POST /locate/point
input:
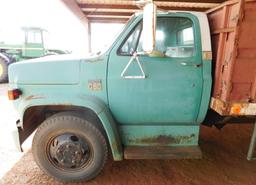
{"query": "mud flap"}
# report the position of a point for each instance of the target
(16, 137)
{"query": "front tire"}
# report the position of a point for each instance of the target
(69, 148)
(3, 70)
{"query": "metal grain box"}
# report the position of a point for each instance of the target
(233, 32)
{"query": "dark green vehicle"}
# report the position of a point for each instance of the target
(29, 44)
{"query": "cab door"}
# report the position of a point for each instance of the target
(171, 90)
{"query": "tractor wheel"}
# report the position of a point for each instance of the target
(3, 70)
(69, 148)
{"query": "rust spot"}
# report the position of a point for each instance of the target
(33, 97)
(162, 152)
(95, 85)
(219, 106)
(233, 108)
(116, 147)
(163, 139)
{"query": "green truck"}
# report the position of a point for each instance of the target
(145, 97)
(27, 43)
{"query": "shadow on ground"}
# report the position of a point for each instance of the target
(224, 163)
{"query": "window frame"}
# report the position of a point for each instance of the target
(196, 34)
(119, 53)
(34, 35)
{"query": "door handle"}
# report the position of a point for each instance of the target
(190, 64)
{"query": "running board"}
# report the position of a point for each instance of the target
(162, 152)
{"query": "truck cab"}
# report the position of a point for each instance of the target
(33, 45)
(143, 105)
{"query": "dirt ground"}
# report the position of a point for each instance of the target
(224, 163)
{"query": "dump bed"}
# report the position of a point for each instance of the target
(233, 33)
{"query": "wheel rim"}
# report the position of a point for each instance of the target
(69, 152)
(1, 70)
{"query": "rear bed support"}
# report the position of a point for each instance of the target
(252, 145)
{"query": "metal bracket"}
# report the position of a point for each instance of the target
(252, 145)
(134, 57)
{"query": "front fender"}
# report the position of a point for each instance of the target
(91, 102)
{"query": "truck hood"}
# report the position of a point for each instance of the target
(60, 69)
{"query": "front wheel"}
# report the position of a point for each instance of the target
(3, 70)
(69, 148)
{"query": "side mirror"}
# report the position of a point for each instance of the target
(149, 28)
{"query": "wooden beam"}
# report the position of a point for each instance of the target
(76, 10)
(109, 16)
(120, 2)
(121, 10)
(186, 4)
(108, 6)
(158, 3)
(109, 13)
(127, 8)
(196, 1)
(107, 20)
(134, 1)
(85, 10)
(182, 9)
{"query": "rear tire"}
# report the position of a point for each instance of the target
(69, 148)
(3, 70)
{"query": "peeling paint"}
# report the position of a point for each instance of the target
(33, 97)
(232, 108)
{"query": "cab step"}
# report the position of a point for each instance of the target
(162, 152)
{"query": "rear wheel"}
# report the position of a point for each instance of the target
(3, 70)
(69, 148)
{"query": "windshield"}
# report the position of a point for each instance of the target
(108, 46)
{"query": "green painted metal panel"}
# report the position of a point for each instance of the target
(159, 135)
(66, 84)
(70, 96)
(94, 69)
(171, 93)
(206, 94)
(47, 70)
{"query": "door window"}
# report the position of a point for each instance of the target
(174, 38)
(186, 37)
(131, 42)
